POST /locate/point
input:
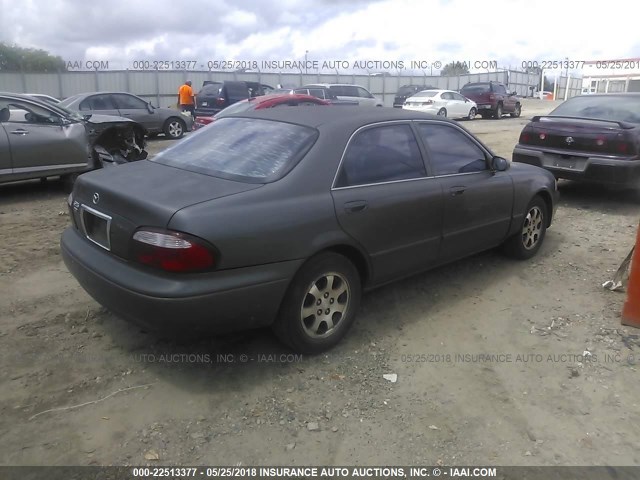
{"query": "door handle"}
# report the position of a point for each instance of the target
(354, 207)
(455, 191)
(20, 131)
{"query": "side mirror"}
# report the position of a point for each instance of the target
(499, 164)
(150, 107)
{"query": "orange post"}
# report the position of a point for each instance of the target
(631, 310)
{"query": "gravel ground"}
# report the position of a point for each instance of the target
(489, 356)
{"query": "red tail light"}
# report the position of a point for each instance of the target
(428, 102)
(542, 136)
(525, 137)
(220, 101)
(623, 148)
(172, 251)
(600, 141)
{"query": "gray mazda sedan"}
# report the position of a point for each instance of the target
(283, 217)
(154, 119)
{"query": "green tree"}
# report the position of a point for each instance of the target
(15, 59)
(454, 69)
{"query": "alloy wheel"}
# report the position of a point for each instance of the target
(175, 129)
(325, 305)
(532, 228)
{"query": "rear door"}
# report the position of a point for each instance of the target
(136, 109)
(235, 91)
(366, 98)
(101, 103)
(385, 200)
(478, 203)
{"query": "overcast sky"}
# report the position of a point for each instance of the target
(121, 31)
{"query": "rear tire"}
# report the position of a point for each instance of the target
(526, 242)
(497, 114)
(320, 305)
(472, 114)
(442, 112)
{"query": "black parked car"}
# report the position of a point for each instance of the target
(591, 137)
(215, 96)
(406, 91)
(284, 216)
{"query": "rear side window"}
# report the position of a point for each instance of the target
(242, 149)
(381, 154)
(98, 102)
(451, 152)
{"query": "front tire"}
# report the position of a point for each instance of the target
(516, 113)
(174, 128)
(528, 240)
(320, 305)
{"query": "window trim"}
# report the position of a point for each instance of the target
(487, 154)
(378, 124)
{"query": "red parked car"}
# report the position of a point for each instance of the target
(258, 103)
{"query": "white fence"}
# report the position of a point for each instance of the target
(162, 85)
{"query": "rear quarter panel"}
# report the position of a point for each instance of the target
(528, 182)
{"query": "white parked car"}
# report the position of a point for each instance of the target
(445, 103)
(346, 91)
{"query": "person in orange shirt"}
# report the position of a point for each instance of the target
(187, 99)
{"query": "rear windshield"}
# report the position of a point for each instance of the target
(407, 90)
(426, 93)
(243, 149)
(617, 108)
(476, 88)
(210, 89)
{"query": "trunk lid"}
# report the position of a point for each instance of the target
(580, 135)
(139, 194)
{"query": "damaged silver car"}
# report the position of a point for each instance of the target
(40, 140)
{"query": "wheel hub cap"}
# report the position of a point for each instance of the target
(175, 129)
(532, 228)
(325, 305)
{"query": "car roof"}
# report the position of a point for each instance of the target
(335, 118)
(331, 85)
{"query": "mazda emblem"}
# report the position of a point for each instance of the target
(569, 140)
(96, 198)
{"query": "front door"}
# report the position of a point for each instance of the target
(385, 201)
(478, 202)
(137, 110)
(39, 141)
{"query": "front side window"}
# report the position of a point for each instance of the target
(129, 102)
(23, 112)
(381, 154)
(363, 93)
(451, 151)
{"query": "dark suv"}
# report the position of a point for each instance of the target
(406, 91)
(493, 99)
(215, 96)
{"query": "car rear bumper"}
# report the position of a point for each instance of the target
(596, 169)
(216, 302)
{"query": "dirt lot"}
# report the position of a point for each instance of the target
(80, 386)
